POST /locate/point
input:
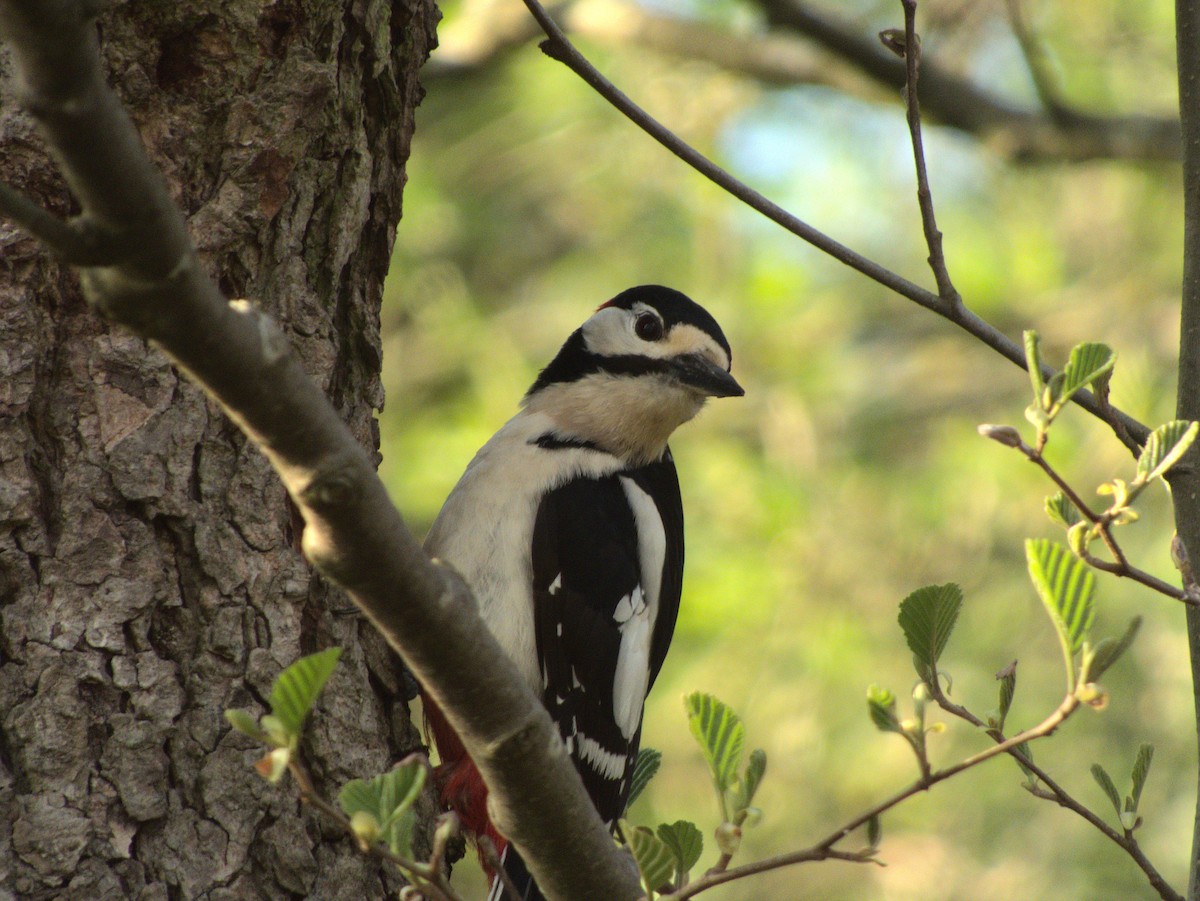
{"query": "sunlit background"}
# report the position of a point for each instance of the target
(851, 473)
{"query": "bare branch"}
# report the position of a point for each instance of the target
(559, 47)
(1035, 59)
(487, 31)
(153, 284)
(1023, 134)
(911, 52)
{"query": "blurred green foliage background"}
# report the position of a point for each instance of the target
(851, 473)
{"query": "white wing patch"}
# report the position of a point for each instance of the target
(606, 763)
(637, 613)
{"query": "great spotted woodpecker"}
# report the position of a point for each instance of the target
(568, 527)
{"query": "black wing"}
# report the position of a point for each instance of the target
(587, 575)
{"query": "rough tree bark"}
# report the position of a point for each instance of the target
(149, 576)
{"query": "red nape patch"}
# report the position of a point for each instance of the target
(460, 786)
(607, 303)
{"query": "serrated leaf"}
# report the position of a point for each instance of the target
(1109, 650)
(1033, 362)
(1141, 769)
(1088, 362)
(721, 736)
(1067, 589)
(1053, 391)
(927, 617)
(1062, 511)
(644, 768)
(756, 766)
(1165, 446)
(246, 724)
(389, 799)
(881, 704)
(685, 842)
(297, 688)
(874, 832)
(655, 861)
(1105, 782)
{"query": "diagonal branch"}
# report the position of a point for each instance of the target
(1024, 134)
(825, 849)
(1131, 432)
(151, 282)
(1061, 797)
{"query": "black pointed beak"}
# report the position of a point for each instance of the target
(699, 372)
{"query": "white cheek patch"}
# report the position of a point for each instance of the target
(610, 333)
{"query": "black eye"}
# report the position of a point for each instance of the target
(648, 327)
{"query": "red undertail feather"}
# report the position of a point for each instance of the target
(459, 784)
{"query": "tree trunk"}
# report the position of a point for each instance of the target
(149, 572)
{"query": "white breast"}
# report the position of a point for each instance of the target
(485, 528)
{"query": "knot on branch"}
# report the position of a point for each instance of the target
(336, 484)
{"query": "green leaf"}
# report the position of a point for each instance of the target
(1033, 362)
(389, 799)
(1088, 362)
(644, 768)
(1141, 769)
(1067, 588)
(685, 842)
(1062, 511)
(655, 861)
(297, 688)
(1109, 650)
(1024, 755)
(927, 617)
(721, 736)
(755, 768)
(881, 704)
(874, 832)
(1008, 688)
(246, 724)
(1105, 782)
(1164, 447)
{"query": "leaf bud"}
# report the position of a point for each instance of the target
(729, 838)
(274, 765)
(1005, 434)
(365, 827)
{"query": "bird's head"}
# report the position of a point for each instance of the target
(642, 365)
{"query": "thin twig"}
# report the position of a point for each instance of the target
(1120, 565)
(559, 47)
(427, 877)
(1044, 84)
(490, 856)
(1061, 797)
(824, 850)
(911, 51)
